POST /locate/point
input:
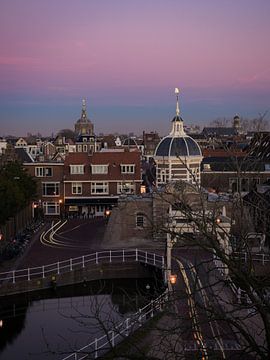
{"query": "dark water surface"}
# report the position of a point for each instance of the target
(52, 324)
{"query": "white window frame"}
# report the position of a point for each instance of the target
(100, 185)
(43, 171)
(125, 187)
(56, 187)
(76, 188)
(51, 205)
(98, 169)
(163, 177)
(76, 169)
(127, 168)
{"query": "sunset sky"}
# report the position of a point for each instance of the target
(126, 57)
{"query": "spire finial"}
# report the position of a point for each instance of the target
(176, 91)
(84, 104)
(83, 108)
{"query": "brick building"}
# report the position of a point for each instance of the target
(86, 184)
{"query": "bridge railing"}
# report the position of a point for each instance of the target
(60, 267)
(100, 346)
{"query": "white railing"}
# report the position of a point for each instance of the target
(259, 258)
(105, 343)
(60, 267)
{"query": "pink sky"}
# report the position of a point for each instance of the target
(127, 56)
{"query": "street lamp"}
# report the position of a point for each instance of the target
(60, 206)
(173, 279)
(34, 206)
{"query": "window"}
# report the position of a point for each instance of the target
(51, 208)
(233, 185)
(76, 169)
(50, 189)
(43, 171)
(99, 188)
(79, 148)
(84, 148)
(127, 168)
(125, 188)
(163, 176)
(140, 220)
(76, 188)
(99, 169)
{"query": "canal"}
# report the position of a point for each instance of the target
(52, 323)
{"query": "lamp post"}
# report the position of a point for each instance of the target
(34, 206)
(107, 214)
(60, 207)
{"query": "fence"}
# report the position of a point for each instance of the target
(105, 343)
(60, 267)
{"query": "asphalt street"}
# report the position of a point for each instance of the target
(69, 239)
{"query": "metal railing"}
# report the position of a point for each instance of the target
(259, 258)
(113, 337)
(60, 267)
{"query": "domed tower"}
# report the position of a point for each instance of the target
(84, 126)
(177, 156)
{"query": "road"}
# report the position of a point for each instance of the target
(201, 311)
(68, 240)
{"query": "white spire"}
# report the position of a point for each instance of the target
(177, 123)
(83, 109)
(84, 104)
(176, 91)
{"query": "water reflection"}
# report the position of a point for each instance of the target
(50, 324)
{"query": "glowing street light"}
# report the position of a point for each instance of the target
(173, 279)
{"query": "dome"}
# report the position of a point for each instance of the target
(178, 146)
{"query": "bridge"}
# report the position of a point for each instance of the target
(92, 267)
(98, 265)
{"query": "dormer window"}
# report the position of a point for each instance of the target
(99, 169)
(127, 168)
(76, 169)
